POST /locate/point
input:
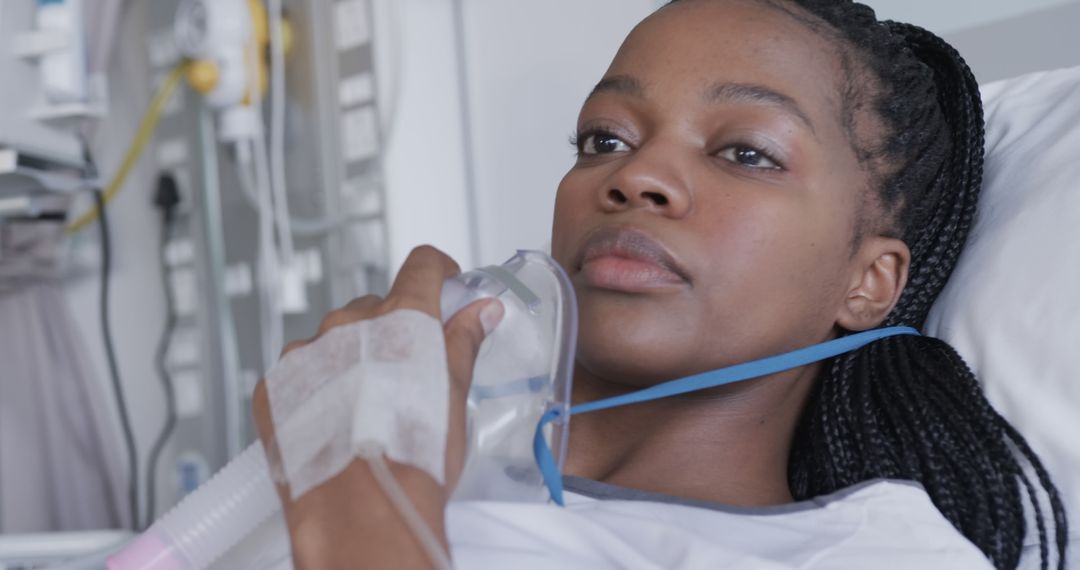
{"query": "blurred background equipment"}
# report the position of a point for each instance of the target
(231, 181)
(62, 466)
(262, 232)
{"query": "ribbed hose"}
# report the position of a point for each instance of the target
(208, 522)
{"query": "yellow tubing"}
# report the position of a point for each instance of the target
(142, 137)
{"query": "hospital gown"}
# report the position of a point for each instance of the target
(879, 524)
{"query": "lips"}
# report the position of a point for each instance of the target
(626, 259)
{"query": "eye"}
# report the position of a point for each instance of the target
(749, 157)
(598, 142)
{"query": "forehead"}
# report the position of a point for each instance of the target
(686, 48)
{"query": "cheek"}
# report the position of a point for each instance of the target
(768, 278)
(572, 210)
(775, 275)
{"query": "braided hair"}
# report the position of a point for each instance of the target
(908, 407)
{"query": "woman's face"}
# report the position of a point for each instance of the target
(710, 216)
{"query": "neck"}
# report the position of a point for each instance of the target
(728, 444)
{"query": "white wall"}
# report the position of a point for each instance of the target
(998, 38)
(424, 160)
(1038, 40)
(530, 66)
(946, 16)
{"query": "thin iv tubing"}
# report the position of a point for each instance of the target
(268, 268)
(405, 508)
(277, 133)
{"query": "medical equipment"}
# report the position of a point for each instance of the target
(237, 295)
(225, 40)
(52, 61)
(44, 53)
(523, 370)
(47, 550)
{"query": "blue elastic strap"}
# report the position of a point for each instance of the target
(754, 369)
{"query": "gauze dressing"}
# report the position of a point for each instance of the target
(377, 385)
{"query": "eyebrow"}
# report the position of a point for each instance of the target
(720, 92)
(619, 84)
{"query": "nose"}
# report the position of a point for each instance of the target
(646, 181)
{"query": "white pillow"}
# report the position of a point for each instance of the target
(1012, 308)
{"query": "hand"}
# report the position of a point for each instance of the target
(345, 501)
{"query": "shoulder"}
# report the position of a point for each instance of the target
(891, 522)
(880, 524)
(895, 522)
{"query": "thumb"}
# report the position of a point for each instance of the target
(465, 332)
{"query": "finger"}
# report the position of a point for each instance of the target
(419, 283)
(293, 345)
(364, 303)
(358, 309)
(464, 334)
(260, 412)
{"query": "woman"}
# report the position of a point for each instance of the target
(753, 176)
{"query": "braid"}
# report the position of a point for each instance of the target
(909, 407)
(939, 217)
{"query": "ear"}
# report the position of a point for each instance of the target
(879, 271)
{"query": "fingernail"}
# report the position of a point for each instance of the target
(490, 316)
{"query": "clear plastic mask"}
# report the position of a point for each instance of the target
(523, 369)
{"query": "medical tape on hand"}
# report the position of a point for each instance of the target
(372, 386)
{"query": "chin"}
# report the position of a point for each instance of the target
(634, 343)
